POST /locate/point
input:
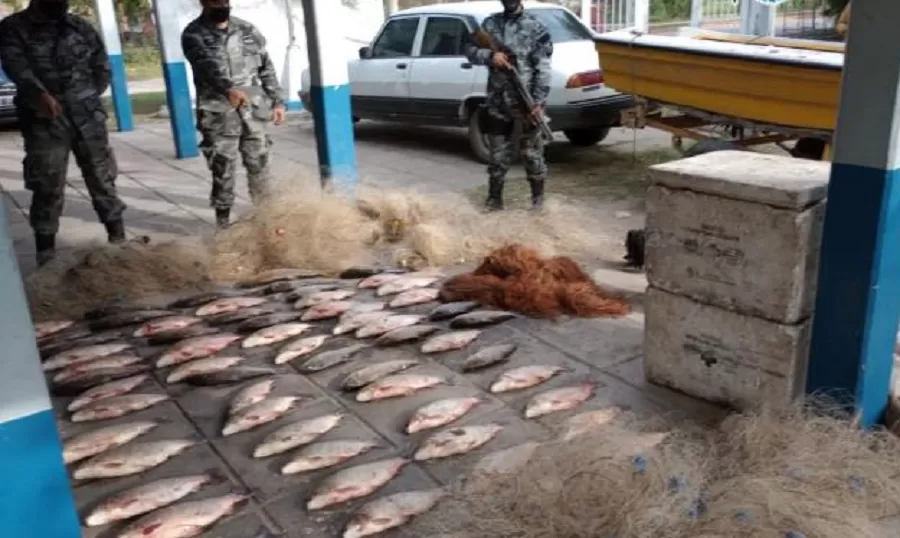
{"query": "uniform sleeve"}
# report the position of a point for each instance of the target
(204, 62)
(268, 76)
(541, 54)
(100, 70)
(15, 63)
(475, 53)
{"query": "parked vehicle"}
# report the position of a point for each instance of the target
(7, 94)
(415, 72)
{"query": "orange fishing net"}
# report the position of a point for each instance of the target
(518, 279)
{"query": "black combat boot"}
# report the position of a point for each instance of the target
(222, 218)
(537, 193)
(495, 195)
(45, 245)
(115, 231)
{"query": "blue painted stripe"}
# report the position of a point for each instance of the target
(294, 106)
(334, 136)
(181, 112)
(858, 297)
(35, 497)
(121, 99)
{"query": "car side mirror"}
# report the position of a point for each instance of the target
(363, 53)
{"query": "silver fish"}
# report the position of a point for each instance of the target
(440, 413)
(361, 271)
(227, 377)
(115, 310)
(240, 315)
(107, 390)
(397, 385)
(405, 334)
(309, 285)
(451, 310)
(296, 434)
(184, 520)
(43, 329)
(277, 275)
(123, 319)
(228, 304)
(355, 482)
(91, 443)
(328, 310)
(196, 348)
(93, 378)
(561, 399)
(374, 372)
(390, 512)
(488, 356)
(171, 337)
(148, 497)
(405, 283)
(450, 341)
(456, 441)
(326, 360)
(350, 321)
(83, 354)
(258, 414)
(326, 454)
(275, 334)
(302, 292)
(323, 297)
(131, 459)
(168, 323)
(299, 348)
(376, 281)
(414, 297)
(268, 320)
(200, 367)
(51, 346)
(250, 395)
(524, 377)
(117, 406)
(480, 318)
(389, 323)
(200, 299)
(110, 361)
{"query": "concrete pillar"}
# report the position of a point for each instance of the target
(178, 95)
(758, 18)
(330, 95)
(35, 495)
(642, 15)
(585, 13)
(293, 62)
(858, 298)
(696, 13)
(109, 25)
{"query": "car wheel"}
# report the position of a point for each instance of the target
(477, 140)
(586, 137)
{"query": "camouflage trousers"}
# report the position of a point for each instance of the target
(226, 135)
(502, 146)
(47, 147)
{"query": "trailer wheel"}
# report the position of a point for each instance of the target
(585, 138)
(710, 145)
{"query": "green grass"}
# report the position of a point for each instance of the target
(143, 105)
(142, 62)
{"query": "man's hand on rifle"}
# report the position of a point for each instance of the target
(237, 98)
(537, 111)
(500, 60)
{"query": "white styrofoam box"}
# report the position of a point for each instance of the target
(722, 356)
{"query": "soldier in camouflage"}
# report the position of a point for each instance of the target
(237, 95)
(530, 47)
(59, 65)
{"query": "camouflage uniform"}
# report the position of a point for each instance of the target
(529, 42)
(232, 57)
(67, 59)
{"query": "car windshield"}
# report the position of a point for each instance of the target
(562, 25)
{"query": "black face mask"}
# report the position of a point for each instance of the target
(218, 14)
(511, 6)
(53, 9)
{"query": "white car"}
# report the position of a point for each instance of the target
(415, 71)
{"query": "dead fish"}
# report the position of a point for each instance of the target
(561, 399)
(389, 323)
(451, 310)
(275, 334)
(456, 441)
(49, 349)
(258, 414)
(390, 512)
(230, 376)
(414, 297)
(524, 377)
(94, 378)
(109, 361)
(196, 348)
(171, 337)
(366, 272)
(269, 320)
(302, 292)
(405, 334)
(240, 315)
(376, 281)
(131, 459)
(450, 341)
(329, 310)
(277, 275)
(355, 482)
(43, 329)
(440, 413)
(488, 356)
(124, 319)
(117, 406)
(323, 297)
(112, 310)
(299, 348)
(296, 434)
(250, 395)
(100, 440)
(166, 324)
(83, 354)
(405, 283)
(374, 372)
(200, 367)
(397, 385)
(289, 286)
(70, 334)
(327, 359)
(350, 321)
(107, 390)
(480, 318)
(326, 454)
(201, 299)
(228, 304)
(184, 520)
(139, 500)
